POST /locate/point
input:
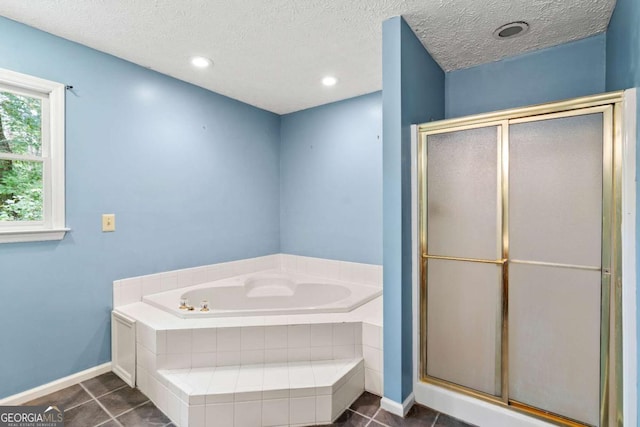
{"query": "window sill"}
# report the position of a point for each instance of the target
(19, 236)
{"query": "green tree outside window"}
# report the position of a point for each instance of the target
(21, 184)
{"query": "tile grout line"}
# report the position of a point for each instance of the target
(107, 421)
(374, 416)
(91, 397)
(370, 418)
(112, 391)
(79, 404)
(370, 421)
(359, 413)
(135, 407)
(101, 405)
(435, 420)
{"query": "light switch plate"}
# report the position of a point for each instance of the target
(109, 222)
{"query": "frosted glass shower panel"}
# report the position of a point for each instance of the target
(555, 197)
(462, 194)
(554, 340)
(464, 323)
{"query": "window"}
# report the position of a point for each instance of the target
(31, 158)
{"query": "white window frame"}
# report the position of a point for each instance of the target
(52, 227)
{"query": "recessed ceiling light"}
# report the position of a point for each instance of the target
(329, 81)
(510, 30)
(200, 62)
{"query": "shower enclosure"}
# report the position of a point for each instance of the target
(520, 279)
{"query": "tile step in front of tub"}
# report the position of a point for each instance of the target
(279, 394)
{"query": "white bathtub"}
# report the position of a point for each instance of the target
(267, 293)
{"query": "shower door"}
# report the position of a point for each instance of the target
(464, 265)
(555, 250)
(518, 242)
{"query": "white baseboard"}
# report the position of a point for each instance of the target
(399, 409)
(53, 386)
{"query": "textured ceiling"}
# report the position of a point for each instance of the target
(272, 54)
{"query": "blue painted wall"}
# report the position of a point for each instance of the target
(560, 72)
(331, 181)
(623, 46)
(623, 72)
(192, 176)
(412, 92)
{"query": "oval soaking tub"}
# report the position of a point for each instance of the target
(267, 293)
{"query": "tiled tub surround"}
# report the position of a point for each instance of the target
(295, 393)
(310, 371)
(372, 355)
(299, 369)
(266, 293)
(127, 291)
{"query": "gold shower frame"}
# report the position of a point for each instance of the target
(610, 105)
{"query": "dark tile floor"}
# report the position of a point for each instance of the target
(106, 401)
(366, 412)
